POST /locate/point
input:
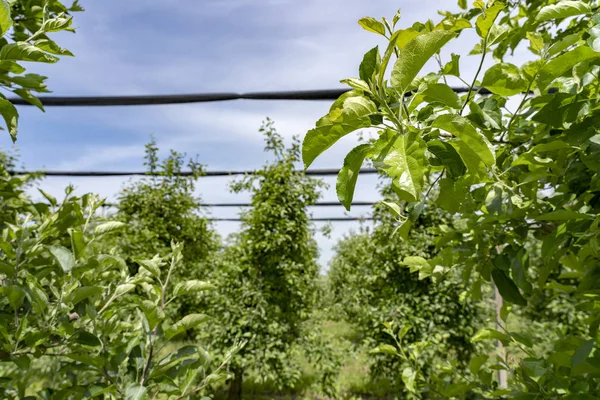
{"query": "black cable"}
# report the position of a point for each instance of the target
(313, 172)
(317, 204)
(145, 100)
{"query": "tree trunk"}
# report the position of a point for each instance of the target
(235, 387)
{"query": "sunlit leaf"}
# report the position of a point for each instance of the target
(486, 19)
(562, 9)
(22, 51)
(403, 159)
(414, 56)
(372, 25)
(5, 18)
(563, 63)
(346, 180)
(504, 79)
(187, 322)
(348, 114)
(63, 256)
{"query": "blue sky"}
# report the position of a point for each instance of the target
(192, 46)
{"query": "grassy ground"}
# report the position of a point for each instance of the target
(352, 382)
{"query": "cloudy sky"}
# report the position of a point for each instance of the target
(191, 46)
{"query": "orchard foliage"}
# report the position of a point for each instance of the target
(25, 28)
(79, 323)
(161, 208)
(370, 281)
(267, 283)
(514, 159)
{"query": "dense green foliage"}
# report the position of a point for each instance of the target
(161, 208)
(77, 323)
(24, 29)
(509, 177)
(370, 282)
(267, 281)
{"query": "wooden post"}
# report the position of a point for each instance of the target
(502, 373)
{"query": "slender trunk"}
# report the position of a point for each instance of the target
(235, 387)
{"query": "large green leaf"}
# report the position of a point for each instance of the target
(441, 93)
(472, 146)
(63, 256)
(192, 286)
(563, 63)
(15, 295)
(11, 117)
(83, 292)
(562, 9)
(486, 19)
(507, 288)
(402, 157)
(154, 314)
(504, 79)
(108, 227)
(5, 19)
(448, 157)
(487, 334)
(22, 51)
(51, 47)
(187, 322)
(582, 353)
(135, 392)
(59, 23)
(349, 113)
(414, 56)
(346, 180)
(372, 25)
(370, 65)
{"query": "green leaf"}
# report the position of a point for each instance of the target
(123, 289)
(77, 242)
(442, 93)
(88, 339)
(22, 51)
(5, 18)
(63, 256)
(11, 117)
(487, 334)
(135, 392)
(15, 295)
(462, 4)
(563, 44)
(7, 268)
(61, 22)
(477, 362)
(504, 79)
(507, 288)
(187, 322)
(108, 227)
(563, 63)
(357, 84)
(486, 19)
(452, 67)
(536, 42)
(11, 66)
(192, 286)
(394, 207)
(409, 377)
(349, 113)
(153, 265)
(346, 179)
(582, 353)
(385, 349)
(404, 36)
(51, 47)
(562, 215)
(153, 313)
(414, 56)
(372, 25)
(403, 159)
(84, 292)
(472, 146)
(31, 99)
(562, 9)
(448, 157)
(370, 65)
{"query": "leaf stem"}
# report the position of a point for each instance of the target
(476, 74)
